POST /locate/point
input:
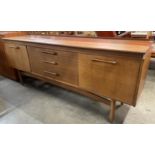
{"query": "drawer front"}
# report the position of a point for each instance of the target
(17, 56)
(54, 64)
(113, 77)
(61, 74)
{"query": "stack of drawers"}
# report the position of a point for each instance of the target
(55, 64)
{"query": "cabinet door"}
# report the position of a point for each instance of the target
(17, 56)
(113, 77)
(2, 54)
(5, 70)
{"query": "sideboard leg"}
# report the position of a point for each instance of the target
(112, 111)
(20, 77)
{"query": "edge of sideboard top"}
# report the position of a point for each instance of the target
(130, 46)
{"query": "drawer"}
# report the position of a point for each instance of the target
(61, 74)
(59, 65)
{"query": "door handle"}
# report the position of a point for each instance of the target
(52, 73)
(50, 62)
(15, 47)
(105, 61)
(52, 53)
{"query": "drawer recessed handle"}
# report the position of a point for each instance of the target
(51, 53)
(15, 47)
(52, 73)
(50, 62)
(105, 61)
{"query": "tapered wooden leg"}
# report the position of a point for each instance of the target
(112, 111)
(20, 77)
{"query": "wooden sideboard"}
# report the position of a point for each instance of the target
(5, 70)
(104, 69)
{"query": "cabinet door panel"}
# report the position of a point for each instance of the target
(113, 77)
(17, 56)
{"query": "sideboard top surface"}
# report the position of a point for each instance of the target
(132, 46)
(11, 33)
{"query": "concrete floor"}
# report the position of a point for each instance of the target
(36, 103)
(144, 112)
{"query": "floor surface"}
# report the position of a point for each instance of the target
(36, 102)
(144, 112)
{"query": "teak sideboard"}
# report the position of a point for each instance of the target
(103, 69)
